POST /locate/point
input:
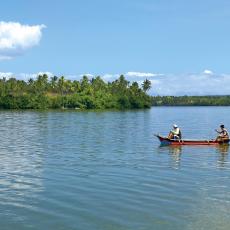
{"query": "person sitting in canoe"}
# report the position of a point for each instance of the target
(175, 133)
(223, 133)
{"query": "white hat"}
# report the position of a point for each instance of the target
(175, 126)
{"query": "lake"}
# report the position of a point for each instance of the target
(106, 171)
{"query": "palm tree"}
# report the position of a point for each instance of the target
(134, 87)
(53, 82)
(98, 83)
(41, 83)
(31, 81)
(123, 83)
(146, 85)
(84, 83)
(61, 85)
(77, 86)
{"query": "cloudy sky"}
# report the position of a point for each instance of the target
(181, 46)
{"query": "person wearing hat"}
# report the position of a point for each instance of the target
(175, 133)
(223, 133)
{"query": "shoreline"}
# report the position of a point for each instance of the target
(208, 100)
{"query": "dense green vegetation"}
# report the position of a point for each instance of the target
(192, 101)
(45, 93)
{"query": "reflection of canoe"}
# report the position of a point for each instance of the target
(167, 141)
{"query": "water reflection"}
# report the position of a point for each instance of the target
(175, 153)
(222, 151)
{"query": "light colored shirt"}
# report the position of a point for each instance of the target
(176, 131)
(223, 133)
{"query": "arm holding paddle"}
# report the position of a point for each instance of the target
(217, 131)
(223, 133)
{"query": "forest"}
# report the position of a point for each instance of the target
(59, 92)
(191, 100)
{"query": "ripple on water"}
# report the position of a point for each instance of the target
(105, 171)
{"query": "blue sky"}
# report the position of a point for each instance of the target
(172, 40)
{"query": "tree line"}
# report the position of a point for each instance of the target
(191, 101)
(59, 92)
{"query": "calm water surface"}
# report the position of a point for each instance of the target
(106, 171)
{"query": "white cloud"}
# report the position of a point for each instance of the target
(2, 57)
(162, 84)
(140, 74)
(49, 74)
(208, 72)
(87, 75)
(6, 75)
(192, 84)
(181, 84)
(26, 76)
(23, 76)
(16, 38)
(110, 77)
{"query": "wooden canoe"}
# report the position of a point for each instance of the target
(167, 141)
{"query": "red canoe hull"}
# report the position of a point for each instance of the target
(166, 141)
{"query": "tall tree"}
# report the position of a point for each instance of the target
(146, 85)
(61, 85)
(41, 83)
(98, 83)
(53, 82)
